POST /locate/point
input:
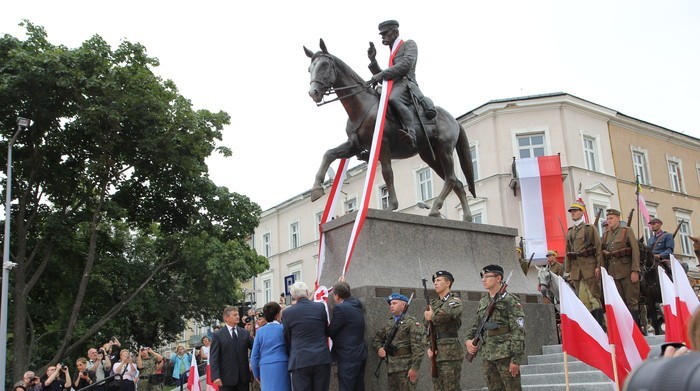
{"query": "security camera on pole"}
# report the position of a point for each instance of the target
(22, 123)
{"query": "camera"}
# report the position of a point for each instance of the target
(248, 319)
(85, 372)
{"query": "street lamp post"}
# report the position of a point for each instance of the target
(22, 123)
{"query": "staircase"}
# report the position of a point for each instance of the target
(545, 372)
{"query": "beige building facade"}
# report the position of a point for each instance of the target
(597, 146)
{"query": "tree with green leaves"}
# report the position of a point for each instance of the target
(116, 227)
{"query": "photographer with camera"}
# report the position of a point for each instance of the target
(148, 363)
(30, 382)
(57, 378)
(127, 369)
(84, 377)
(99, 363)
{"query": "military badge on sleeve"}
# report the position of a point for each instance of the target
(521, 321)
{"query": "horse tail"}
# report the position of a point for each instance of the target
(465, 159)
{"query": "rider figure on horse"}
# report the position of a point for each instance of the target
(403, 72)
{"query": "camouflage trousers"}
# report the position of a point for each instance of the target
(144, 385)
(498, 377)
(398, 381)
(449, 374)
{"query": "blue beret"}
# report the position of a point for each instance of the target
(396, 296)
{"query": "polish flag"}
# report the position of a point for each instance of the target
(193, 377)
(544, 210)
(630, 346)
(581, 336)
(321, 296)
(327, 215)
(674, 329)
(686, 300)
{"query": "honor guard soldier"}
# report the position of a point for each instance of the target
(554, 266)
(503, 347)
(406, 349)
(446, 314)
(621, 253)
(584, 258)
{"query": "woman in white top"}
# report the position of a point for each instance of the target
(127, 369)
(204, 350)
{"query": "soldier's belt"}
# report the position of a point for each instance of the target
(581, 254)
(623, 252)
(445, 335)
(498, 331)
(402, 352)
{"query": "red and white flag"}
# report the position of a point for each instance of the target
(630, 346)
(581, 336)
(642, 205)
(543, 204)
(686, 300)
(327, 216)
(674, 329)
(193, 377)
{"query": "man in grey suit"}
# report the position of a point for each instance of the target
(229, 354)
(305, 325)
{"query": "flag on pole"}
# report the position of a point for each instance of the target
(674, 329)
(193, 377)
(581, 336)
(210, 383)
(327, 216)
(642, 204)
(542, 192)
(686, 300)
(630, 346)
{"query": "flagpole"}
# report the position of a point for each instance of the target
(614, 363)
(637, 188)
(566, 370)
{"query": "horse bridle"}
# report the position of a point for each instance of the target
(328, 88)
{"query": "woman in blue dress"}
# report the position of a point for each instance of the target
(269, 357)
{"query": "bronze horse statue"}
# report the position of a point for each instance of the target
(435, 144)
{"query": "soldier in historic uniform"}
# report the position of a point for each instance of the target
(554, 266)
(406, 350)
(503, 348)
(661, 242)
(446, 314)
(621, 254)
(584, 258)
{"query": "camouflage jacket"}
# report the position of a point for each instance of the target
(409, 342)
(447, 319)
(508, 340)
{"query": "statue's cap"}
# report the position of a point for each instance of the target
(443, 273)
(492, 269)
(388, 25)
(396, 296)
(613, 212)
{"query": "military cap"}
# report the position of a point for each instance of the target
(655, 220)
(518, 249)
(552, 252)
(577, 206)
(396, 296)
(492, 269)
(612, 211)
(388, 25)
(443, 273)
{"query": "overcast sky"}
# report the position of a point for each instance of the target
(640, 58)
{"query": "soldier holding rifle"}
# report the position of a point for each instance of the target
(445, 314)
(498, 333)
(401, 342)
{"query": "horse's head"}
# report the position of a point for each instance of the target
(322, 71)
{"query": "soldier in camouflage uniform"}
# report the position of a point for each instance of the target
(503, 349)
(148, 363)
(406, 353)
(446, 314)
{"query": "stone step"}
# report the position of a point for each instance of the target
(558, 378)
(653, 340)
(599, 386)
(576, 366)
(553, 358)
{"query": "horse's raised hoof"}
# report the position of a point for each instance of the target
(316, 193)
(435, 214)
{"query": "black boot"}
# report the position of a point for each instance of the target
(429, 107)
(599, 317)
(406, 134)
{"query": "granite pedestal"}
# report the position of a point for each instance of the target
(386, 259)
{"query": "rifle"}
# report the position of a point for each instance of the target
(483, 326)
(388, 347)
(680, 223)
(597, 218)
(431, 328)
(530, 261)
(629, 217)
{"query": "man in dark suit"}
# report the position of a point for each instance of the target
(305, 326)
(229, 354)
(347, 329)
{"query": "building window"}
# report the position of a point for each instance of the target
(267, 289)
(641, 170)
(478, 218)
(531, 145)
(474, 154)
(295, 270)
(425, 184)
(590, 149)
(351, 205)
(384, 197)
(684, 234)
(267, 248)
(294, 235)
(674, 175)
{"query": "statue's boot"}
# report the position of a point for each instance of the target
(429, 107)
(599, 317)
(406, 134)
